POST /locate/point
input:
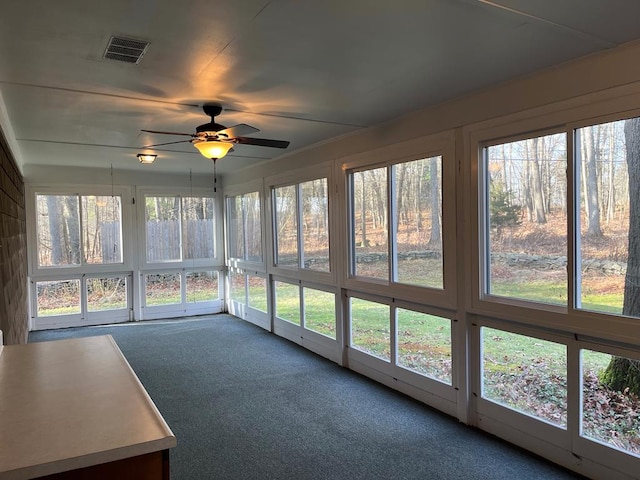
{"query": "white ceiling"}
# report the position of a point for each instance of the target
(299, 70)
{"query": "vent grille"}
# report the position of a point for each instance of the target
(126, 50)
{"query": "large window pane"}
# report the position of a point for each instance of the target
(102, 229)
(198, 227)
(418, 222)
(320, 311)
(252, 227)
(526, 374)
(107, 293)
(58, 297)
(370, 328)
(162, 227)
(610, 400)
(315, 225)
(236, 227)
(424, 344)
(287, 302)
(58, 230)
(257, 293)
(608, 164)
(202, 286)
(286, 225)
(369, 239)
(527, 219)
(162, 289)
(237, 287)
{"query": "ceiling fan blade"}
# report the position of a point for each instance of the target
(167, 143)
(236, 130)
(262, 142)
(167, 133)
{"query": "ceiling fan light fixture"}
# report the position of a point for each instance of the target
(213, 149)
(146, 157)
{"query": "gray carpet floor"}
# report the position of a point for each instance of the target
(246, 404)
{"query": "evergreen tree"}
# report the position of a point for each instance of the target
(502, 212)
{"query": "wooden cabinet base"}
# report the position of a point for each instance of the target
(152, 466)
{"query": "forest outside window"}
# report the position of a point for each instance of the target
(405, 198)
(526, 215)
(526, 219)
(244, 227)
(301, 221)
(608, 189)
(74, 230)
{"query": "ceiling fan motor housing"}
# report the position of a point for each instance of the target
(212, 111)
(210, 127)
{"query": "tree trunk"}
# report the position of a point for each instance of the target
(528, 197)
(623, 373)
(72, 223)
(536, 182)
(55, 230)
(435, 241)
(378, 184)
(611, 194)
(591, 193)
(363, 213)
(401, 171)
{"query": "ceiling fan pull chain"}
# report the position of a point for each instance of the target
(215, 179)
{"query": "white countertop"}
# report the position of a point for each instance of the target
(69, 404)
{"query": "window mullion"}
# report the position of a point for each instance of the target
(245, 242)
(299, 226)
(81, 228)
(180, 229)
(392, 224)
(574, 157)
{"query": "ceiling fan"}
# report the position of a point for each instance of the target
(214, 141)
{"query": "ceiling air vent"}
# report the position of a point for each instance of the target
(126, 50)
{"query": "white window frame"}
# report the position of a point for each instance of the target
(142, 193)
(442, 144)
(296, 178)
(526, 125)
(571, 326)
(429, 390)
(123, 192)
(483, 222)
(84, 270)
(244, 189)
(180, 267)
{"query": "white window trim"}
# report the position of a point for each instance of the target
(295, 178)
(143, 263)
(234, 191)
(124, 192)
(442, 144)
(575, 114)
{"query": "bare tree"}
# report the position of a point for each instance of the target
(623, 373)
(435, 241)
(539, 214)
(590, 149)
